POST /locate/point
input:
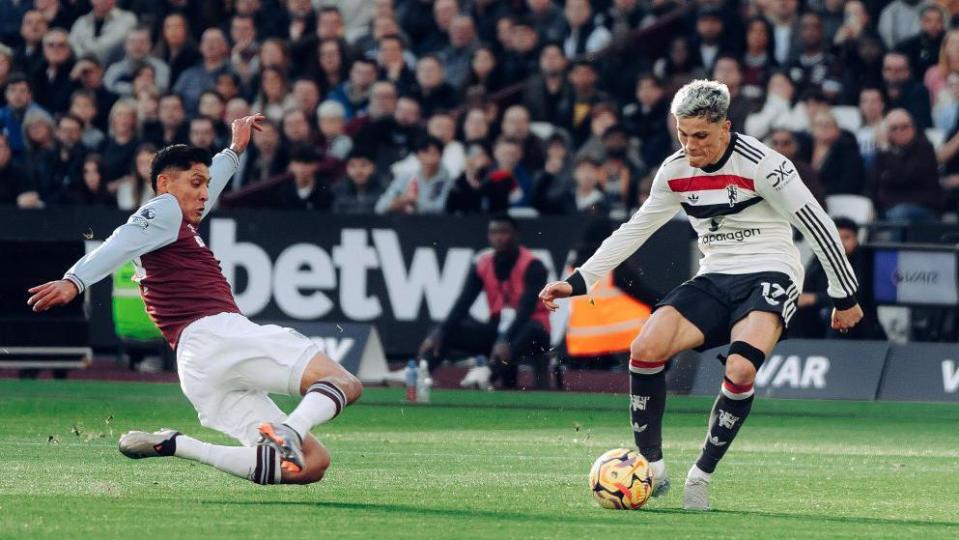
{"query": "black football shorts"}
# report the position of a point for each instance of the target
(715, 302)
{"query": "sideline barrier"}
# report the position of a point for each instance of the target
(837, 369)
(922, 372)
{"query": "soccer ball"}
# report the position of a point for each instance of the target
(621, 479)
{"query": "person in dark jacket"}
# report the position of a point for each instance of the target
(304, 191)
(905, 179)
(360, 188)
(815, 308)
(836, 156)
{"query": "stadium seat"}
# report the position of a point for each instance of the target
(855, 207)
(523, 212)
(848, 117)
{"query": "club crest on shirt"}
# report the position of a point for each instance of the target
(732, 192)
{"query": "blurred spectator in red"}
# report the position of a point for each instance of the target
(905, 176)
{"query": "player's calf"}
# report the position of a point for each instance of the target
(647, 404)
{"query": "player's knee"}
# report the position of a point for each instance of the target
(352, 387)
(649, 349)
(740, 371)
(743, 361)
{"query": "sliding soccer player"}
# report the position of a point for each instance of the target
(227, 364)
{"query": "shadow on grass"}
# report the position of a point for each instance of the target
(586, 519)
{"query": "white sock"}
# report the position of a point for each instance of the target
(258, 464)
(659, 469)
(696, 472)
(321, 403)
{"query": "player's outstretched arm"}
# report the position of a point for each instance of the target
(226, 163)
(153, 226)
(661, 205)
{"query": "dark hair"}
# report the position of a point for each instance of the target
(169, 95)
(429, 141)
(843, 222)
(213, 93)
(179, 157)
(71, 117)
(394, 37)
(18, 77)
(203, 118)
(304, 153)
(503, 217)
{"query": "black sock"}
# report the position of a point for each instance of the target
(729, 412)
(647, 402)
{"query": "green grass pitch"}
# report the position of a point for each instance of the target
(475, 465)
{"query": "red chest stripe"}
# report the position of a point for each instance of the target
(719, 181)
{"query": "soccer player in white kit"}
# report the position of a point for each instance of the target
(742, 198)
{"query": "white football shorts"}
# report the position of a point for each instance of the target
(228, 365)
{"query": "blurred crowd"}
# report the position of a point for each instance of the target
(472, 106)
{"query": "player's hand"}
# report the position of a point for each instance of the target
(51, 294)
(554, 291)
(243, 129)
(845, 319)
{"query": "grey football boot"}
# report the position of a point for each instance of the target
(140, 444)
(696, 494)
(287, 443)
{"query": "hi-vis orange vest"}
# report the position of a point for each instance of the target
(605, 321)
